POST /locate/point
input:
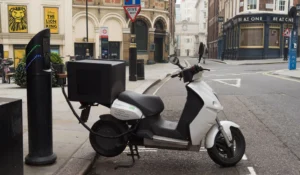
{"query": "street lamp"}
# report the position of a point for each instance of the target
(87, 28)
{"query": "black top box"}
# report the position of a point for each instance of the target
(96, 81)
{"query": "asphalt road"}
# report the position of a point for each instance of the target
(266, 107)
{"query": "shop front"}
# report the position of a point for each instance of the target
(256, 36)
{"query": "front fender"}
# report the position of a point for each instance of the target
(212, 133)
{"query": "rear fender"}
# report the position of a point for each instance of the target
(212, 133)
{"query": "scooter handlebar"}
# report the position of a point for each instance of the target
(189, 71)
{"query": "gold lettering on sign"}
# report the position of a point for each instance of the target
(51, 19)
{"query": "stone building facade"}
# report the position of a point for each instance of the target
(21, 20)
(109, 30)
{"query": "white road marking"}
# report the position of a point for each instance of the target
(235, 74)
(187, 63)
(161, 85)
(237, 82)
(141, 151)
(244, 157)
(252, 172)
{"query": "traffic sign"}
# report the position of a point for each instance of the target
(132, 2)
(132, 11)
(287, 32)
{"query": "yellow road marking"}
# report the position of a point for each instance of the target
(281, 77)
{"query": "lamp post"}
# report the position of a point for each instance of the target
(87, 28)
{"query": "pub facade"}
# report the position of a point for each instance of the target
(254, 36)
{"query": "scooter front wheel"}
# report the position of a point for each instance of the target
(225, 156)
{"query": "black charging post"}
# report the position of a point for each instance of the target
(39, 100)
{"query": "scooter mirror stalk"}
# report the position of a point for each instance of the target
(174, 60)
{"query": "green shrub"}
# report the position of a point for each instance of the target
(55, 58)
(20, 73)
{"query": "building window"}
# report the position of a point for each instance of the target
(54, 49)
(274, 36)
(204, 14)
(204, 25)
(141, 36)
(205, 4)
(252, 36)
(187, 40)
(19, 54)
(236, 37)
(281, 5)
(252, 4)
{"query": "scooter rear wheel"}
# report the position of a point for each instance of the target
(109, 147)
(220, 152)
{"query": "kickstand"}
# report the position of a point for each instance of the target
(132, 154)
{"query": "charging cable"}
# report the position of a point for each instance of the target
(88, 128)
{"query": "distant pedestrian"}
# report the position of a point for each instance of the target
(200, 51)
(286, 49)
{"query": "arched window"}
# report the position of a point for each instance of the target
(141, 31)
(159, 26)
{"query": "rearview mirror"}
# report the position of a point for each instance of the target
(174, 60)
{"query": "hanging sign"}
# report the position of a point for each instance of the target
(104, 32)
(287, 32)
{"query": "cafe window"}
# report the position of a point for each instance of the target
(227, 39)
(252, 35)
(236, 37)
(289, 26)
(251, 4)
(274, 36)
(230, 39)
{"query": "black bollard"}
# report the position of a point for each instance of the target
(132, 55)
(39, 100)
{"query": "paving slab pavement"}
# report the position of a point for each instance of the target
(70, 139)
(252, 62)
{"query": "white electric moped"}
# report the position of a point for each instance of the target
(135, 120)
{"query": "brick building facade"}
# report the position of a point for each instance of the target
(212, 29)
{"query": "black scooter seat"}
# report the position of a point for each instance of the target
(149, 105)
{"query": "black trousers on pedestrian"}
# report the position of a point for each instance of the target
(285, 53)
(200, 56)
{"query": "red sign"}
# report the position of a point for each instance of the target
(286, 32)
(104, 32)
(132, 11)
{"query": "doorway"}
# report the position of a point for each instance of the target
(158, 54)
(80, 49)
(114, 50)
